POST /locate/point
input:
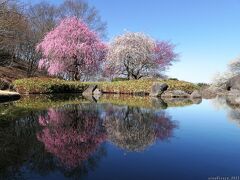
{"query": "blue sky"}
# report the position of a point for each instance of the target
(206, 32)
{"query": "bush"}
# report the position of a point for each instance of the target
(144, 86)
(119, 79)
(202, 85)
(47, 86)
(173, 79)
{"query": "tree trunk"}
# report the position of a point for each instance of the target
(128, 76)
(76, 76)
(134, 76)
(76, 73)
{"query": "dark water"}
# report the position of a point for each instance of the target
(118, 138)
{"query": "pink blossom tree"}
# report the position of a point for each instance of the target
(136, 55)
(71, 49)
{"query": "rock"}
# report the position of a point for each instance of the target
(233, 101)
(196, 95)
(97, 97)
(234, 92)
(233, 97)
(197, 100)
(233, 83)
(178, 102)
(97, 92)
(175, 94)
(158, 103)
(91, 99)
(8, 96)
(158, 89)
(208, 93)
(89, 91)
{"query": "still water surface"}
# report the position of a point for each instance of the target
(67, 137)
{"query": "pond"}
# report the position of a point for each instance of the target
(118, 137)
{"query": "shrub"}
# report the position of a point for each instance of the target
(173, 79)
(144, 86)
(47, 86)
(202, 85)
(119, 79)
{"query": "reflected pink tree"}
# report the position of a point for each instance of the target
(72, 135)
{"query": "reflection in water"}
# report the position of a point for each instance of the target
(134, 129)
(72, 134)
(146, 101)
(233, 112)
(60, 138)
(69, 139)
(64, 140)
(17, 143)
(234, 115)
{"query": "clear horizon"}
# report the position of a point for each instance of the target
(206, 32)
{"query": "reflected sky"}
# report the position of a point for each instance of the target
(109, 140)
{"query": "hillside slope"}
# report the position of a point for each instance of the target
(17, 70)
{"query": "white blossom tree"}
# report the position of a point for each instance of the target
(136, 55)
